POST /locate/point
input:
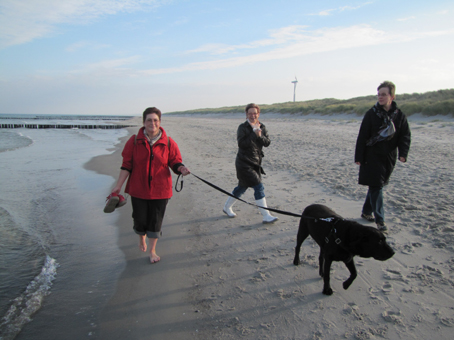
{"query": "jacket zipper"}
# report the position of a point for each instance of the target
(150, 177)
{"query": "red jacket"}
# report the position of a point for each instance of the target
(149, 176)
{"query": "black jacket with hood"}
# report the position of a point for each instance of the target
(248, 161)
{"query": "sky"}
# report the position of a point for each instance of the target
(118, 57)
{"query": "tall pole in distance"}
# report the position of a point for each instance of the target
(294, 88)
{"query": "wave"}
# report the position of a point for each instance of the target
(30, 301)
(10, 141)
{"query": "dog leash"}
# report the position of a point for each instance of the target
(328, 219)
(239, 199)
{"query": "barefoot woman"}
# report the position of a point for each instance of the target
(147, 157)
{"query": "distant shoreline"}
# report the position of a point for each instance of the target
(417, 117)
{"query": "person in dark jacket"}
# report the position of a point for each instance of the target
(383, 137)
(252, 136)
(147, 158)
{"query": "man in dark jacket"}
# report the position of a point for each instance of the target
(384, 132)
(252, 136)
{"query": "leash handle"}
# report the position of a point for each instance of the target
(181, 184)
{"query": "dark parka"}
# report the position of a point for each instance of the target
(378, 161)
(248, 161)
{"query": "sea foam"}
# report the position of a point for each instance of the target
(29, 301)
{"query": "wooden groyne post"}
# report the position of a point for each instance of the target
(63, 126)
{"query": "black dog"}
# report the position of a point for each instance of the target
(339, 240)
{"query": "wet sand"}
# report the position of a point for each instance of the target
(222, 278)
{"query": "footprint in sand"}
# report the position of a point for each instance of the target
(413, 290)
(373, 294)
(280, 293)
(394, 317)
(387, 288)
(432, 271)
(448, 230)
(351, 308)
(259, 277)
(418, 318)
(395, 275)
(408, 249)
(447, 321)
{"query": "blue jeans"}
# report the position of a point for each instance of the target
(374, 204)
(259, 191)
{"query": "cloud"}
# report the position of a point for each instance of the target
(352, 8)
(284, 43)
(294, 41)
(327, 12)
(277, 37)
(407, 18)
(26, 20)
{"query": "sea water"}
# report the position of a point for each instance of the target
(58, 256)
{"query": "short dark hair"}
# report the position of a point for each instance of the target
(149, 111)
(252, 105)
(390, 85)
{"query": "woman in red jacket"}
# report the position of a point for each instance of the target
(147, 158)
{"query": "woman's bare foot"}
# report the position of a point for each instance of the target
(143, 243)
(154, 258)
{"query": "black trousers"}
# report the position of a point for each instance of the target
(148, 216)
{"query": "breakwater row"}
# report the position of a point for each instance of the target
(62, 126)
(64, 117)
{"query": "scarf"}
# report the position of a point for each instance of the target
(153, 140)
(387, 129)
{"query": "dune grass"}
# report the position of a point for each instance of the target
(431, 103)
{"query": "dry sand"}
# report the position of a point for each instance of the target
(222, 278)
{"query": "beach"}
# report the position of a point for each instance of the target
(222, 278)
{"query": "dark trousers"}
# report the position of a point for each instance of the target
(374, 204)
(148, 216)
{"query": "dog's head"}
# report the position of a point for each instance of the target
(370, 242)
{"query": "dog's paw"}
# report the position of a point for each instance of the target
(296, 261)
(327, 291)
(347, 283)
